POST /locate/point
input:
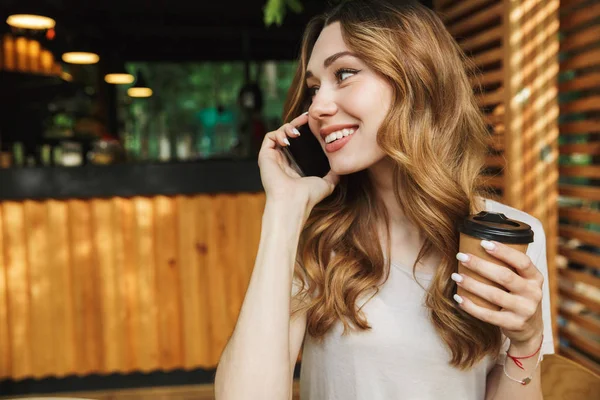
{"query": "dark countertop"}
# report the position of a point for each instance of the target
(127, 180)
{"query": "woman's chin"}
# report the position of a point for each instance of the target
(343, 169)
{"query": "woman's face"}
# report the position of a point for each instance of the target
(348, 99)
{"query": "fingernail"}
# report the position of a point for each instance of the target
(458, 299)
(462, 257)
(286, 141)
(304, 113)
(296, 132)
(488, 245)
(456, 277)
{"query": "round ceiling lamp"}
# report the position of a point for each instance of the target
(30, 21)
(119, 78)
(80, 57)
(117, 75)
(139, 92)
(140, 89)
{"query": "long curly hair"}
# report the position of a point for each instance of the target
(436, 135)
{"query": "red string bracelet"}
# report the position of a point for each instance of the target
(516, 359)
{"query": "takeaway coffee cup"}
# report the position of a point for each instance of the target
(490, 226)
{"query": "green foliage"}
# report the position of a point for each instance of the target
(275, 10)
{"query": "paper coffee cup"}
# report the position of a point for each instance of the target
(490, 226)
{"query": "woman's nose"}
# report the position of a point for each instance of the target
(322, 106)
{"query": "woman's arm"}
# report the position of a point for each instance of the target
(500, 387)
(258, 361)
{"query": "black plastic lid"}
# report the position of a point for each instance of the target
(495, 226)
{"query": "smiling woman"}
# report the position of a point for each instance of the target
(373, 245)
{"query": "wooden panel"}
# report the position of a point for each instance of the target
(170, 335)
(585, 171)
(496, 142)
(581, 39)
(487, 78)
(476, 20)
(580, 127)
(581, 360)
(86, 305)
(579, 17)
(495, 161)
(588, 323)
(59, 272)
(110, 303)
(585, 235)
(586, 301)
(575, 276)
(17, 279)
(148, 343)
(488, 57)
(583, 192)
(39, 288)
(591, 148)
(584, 82)
(460, 8)
(582, 342)
(5, 351)
(192, 250)
(483, 38)
(585, 104)
(582, 257)
(122, 285)
(582, 60)
(579, 214)
(567, 4)
(126, 258)
(490, 98)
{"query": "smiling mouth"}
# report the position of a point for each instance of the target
(332, 137)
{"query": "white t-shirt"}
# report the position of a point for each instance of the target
(402, 357)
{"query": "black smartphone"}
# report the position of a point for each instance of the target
(305, 154)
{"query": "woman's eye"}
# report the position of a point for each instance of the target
(343, 74)
(346, 74)
(312, 91)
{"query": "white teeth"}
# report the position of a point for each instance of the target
(338, 135)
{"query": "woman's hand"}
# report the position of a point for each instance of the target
(520, 317)
(279, 180)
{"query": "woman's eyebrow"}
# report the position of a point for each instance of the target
(331, 59)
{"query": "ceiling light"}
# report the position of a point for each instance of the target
(139, 92)
(30, 21)
(80, 57)
(140, 89)
(119, 79)
(116, 73)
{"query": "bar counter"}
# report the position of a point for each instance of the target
(124, 268)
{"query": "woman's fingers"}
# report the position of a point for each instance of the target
(515, 258)
(508, 301)
(280, 136)
(494, 272)
(487, 292)
(299, 120)
(503, 318)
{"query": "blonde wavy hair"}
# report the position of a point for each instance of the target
(436, 136)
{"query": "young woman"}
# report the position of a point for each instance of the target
(360, 265)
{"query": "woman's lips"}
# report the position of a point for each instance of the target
(339, 143)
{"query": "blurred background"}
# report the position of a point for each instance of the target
(130, 196)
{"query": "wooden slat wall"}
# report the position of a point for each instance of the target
(513, 52)
(579, 211)
(122, 285)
